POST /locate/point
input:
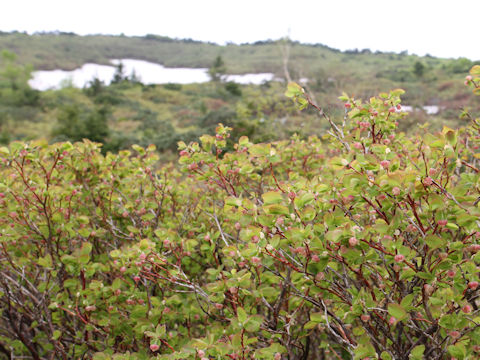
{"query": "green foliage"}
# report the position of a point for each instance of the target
(76, 124)
(218, 69)
(418, 69)
(233, 88)
(14, 88)
(362, 244)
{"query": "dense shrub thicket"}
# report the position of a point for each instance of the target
(364, 244)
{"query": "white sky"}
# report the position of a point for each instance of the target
(441, 28)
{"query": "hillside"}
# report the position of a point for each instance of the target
(134, 113)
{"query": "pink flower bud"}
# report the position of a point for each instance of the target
(392, 320)
(467, 309)
(474, 248)
(154, 347)
(256, 260)
(396, 191)
(442, 222)
(428, 181)
(473, 285)
(233, 290)
(399, 258)
(320, 276)
(385, 164)
(454, 334)
(365, 317)
(428, 289)
(353, 241)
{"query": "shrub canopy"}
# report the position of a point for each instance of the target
(362, 244)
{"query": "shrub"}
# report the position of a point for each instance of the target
(361, 245)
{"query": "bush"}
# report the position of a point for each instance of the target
(362, 245)
(75, 124)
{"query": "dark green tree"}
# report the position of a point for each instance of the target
(218, 69)
(119, 75)
(418, 69)
(76, 124)
(14, 87)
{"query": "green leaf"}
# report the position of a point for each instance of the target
(276, 209)
(407, 274)
(457, 351)
(435, 242)
(86, 248)
(417, 352)
(46, 261)
(303, 200)
(253, 323)
(448, 321)
(56, 334)
(450, 135)
(272, 197)
(397, 92)
(160, 330)
(397, 311)
(452, 226)
(407, 301)
(385, 356)
(243, 140)
(242, 315)
(475, 70)
(317, 317)
(293, 90)
(334, 235)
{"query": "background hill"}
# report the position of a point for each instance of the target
(130, 112)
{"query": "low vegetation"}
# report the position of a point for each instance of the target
(360, 244)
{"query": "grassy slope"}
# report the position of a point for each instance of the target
(330, 72)
(363, 74)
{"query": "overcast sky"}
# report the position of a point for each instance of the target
(441, 28)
